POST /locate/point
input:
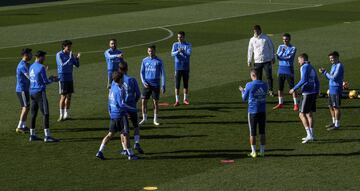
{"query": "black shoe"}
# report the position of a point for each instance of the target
(138, 148)
(330, 125)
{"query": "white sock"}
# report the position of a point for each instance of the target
(333, 119)
(23, 125)
(130, 152)
(337, 123)
(177, 98)
(20, 124)
(32, 131)
(186, 96)
(67, 111)
(47, 132)
(262, 148)
(311, 131)
(102, 146)
(155, 117)
(295, 101)
(281, 100)
(253, 148)
(62, 112)
(308, 131)
(144, 116)
(137, 138)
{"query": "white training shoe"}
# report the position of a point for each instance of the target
(303, 139)
(156, 123)
(142, 121)
(307, 139)
(66, 116)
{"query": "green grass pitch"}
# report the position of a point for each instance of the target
(184, 153)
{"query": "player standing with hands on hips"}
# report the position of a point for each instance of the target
(152, 72)
(181, 52)
(65, 61)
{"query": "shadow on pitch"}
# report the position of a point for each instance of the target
(232, 122)
(203, 154)
(327, 141)
(223, 109)
(163, 137)
(187, 116)
(316, 154)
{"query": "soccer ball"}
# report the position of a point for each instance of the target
(353, 94)
(345, 85)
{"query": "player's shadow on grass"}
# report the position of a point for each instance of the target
(316, 154)
(231, 122)
(89, 119)
(85, 129)
(217, 103)
(342, 107)
(203, 154)
(223, 109)
(187, 116)
(327, 141)
(163, 137)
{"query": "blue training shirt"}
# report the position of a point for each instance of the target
(255, 93)
(309, 81)
(152, 72)
(336, 78)
(65, 63)
(22, 77)
(112, 60)
(182, 59)
(132, 91)
(116, 106)
(38, 78)
(286, 55)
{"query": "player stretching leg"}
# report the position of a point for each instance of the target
(132, 96)
(255, 93)
(118, 118)
(336, 78)
(151, 73)
(309, 84)
(181, 52)
(65, 61)
(22, 88)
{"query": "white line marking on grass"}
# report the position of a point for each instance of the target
(170, 25)
(170, 35)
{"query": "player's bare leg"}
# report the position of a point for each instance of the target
(21, 128)
(296, 105)
(144, 111)
(280, 105)
(156, 111)
(67, 106)
(252, 141)
(62, 107)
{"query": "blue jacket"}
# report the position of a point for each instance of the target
(309, 81)
(116, 106)
(152, 72)
(286, 55)
(22, 77)
(38, 78)
(336, 78)
(255, 93)
(65, 63)
(182, 59)
(112, 60)
(132, 92)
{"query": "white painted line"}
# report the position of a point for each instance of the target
(170, 25)
(170, 35)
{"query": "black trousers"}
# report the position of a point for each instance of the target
(39, 101)
(267, 66)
